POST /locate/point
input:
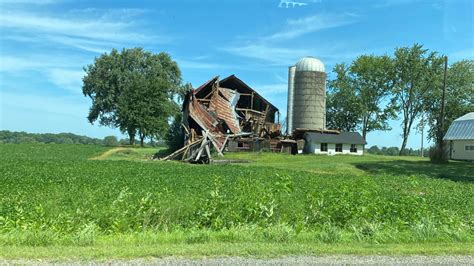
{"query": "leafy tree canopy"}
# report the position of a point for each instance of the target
(133, 90)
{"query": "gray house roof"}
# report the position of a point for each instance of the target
(343, 137)
(461, 128)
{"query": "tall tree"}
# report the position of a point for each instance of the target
(416, 71)
(459, 98)
(133, 90)
(342, 105)
(359, 97)
(371, 78)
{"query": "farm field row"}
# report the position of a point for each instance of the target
(70, 196)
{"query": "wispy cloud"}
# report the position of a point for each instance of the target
(274, 48)
(66, 78)
(266, 52)
(198, 64)
(298, 27)
(91, 30)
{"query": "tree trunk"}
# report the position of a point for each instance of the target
(131, 136)
(406, 132)
(364, 128)
(404, 144)
(141, 140)
(142, 137)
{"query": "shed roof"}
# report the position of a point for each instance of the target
(343, 137)
(461, 128)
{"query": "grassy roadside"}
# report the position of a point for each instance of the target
(112, 249)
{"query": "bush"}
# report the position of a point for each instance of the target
(438, 155)
(111, 141)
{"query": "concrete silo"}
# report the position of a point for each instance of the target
(289, 107)
(309, 95)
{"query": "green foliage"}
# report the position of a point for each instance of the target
(459, 98)
(56, 194)
(416, 72)
(358, 95)
(111, 141)
(342, 108)
(175, 135)
(60, 138)
(133, 90)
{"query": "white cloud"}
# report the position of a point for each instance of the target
(88, 28)
(272, 89)
(93, 30)
(298, 27)
(270, 48)
(272, 54)
(67, 79)
(196, 64)
(38, 62)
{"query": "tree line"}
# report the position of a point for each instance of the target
(19, 137)
(407, 85)
(395, 151)
(60, 138)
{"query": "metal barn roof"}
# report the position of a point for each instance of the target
(343, 137)
(461, 128)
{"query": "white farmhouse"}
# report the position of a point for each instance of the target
(460, 136)
(334, 143)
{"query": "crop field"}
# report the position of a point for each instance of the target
(80, 198)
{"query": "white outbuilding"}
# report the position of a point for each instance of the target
(334, 143)
(460, 136)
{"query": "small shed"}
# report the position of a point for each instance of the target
(334, 143)
(460, 136)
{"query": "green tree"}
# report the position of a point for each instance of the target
(342, 108)
(459, 98)
(360, 95)
(416, 72)
(133, 90)
(371, 78)
(110, 141)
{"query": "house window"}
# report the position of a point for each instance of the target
(353, 148)
(469, 148)
(324, 147)
(339, 147)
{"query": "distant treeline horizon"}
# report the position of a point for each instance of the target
(18, 137)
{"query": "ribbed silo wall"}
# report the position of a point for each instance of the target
(309, 101)
(289, 107)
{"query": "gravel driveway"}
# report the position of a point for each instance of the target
(296, 260)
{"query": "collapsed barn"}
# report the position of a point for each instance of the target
(228, 115)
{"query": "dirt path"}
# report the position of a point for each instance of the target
(106, 154)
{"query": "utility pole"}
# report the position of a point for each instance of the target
(441, 120)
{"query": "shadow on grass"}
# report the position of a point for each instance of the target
(456, 171)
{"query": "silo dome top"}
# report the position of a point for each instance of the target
(309, 63)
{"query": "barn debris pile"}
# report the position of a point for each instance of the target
(228, 115)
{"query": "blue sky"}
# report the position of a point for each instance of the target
(44, 45)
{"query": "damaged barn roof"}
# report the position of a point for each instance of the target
(217, 110)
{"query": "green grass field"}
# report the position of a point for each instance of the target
(90, 202)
